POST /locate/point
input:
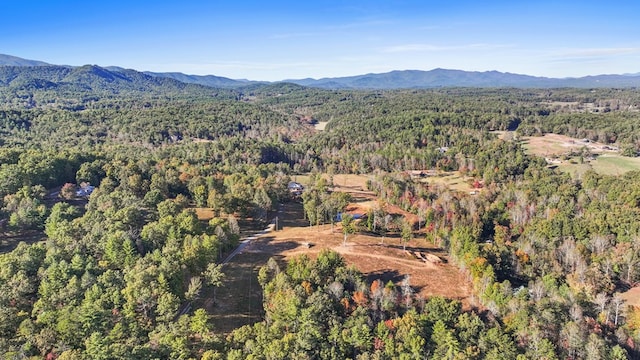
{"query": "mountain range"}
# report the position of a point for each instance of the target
(407, 79)
(95, 80)
(8, 60)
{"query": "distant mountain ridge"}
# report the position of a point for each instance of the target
(206, 80)
(8, 60)
(97, 80)
(399, 79)
(414, 79)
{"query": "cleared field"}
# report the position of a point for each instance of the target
(632, 297)
(615, 164)
(351, 181)
(368, 253)
(607, 160)
(606, 164)
(320, 125)
(341, 182)
(358, 183)
(574, 168)
(453, 179)
(239, 300)
(204, 214)
(555, 145)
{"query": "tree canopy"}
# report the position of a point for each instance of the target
(113, 271)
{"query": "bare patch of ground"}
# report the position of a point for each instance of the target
(239, 301)
(632, 297)
(454, 180)
(372, 255)
(341, 182)
(204, 214)
(320, 125)
(556, 145)
(602, 158)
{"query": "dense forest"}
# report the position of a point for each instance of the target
(104, 256)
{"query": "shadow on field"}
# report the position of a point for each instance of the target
(266, 245)
(291, 215)
(435, 251)
(387, 275)
(9, 240)
(238, 301)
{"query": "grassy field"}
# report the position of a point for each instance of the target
(606, 162)
(574, 168)
(353, 181)
(453, 179)
(615, 164)
(238, 301)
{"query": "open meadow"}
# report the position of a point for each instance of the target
(576, 156)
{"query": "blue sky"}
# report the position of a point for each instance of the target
(276, 40)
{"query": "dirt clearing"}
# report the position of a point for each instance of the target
(555, 145)
(320, 125)
(374, 256)
(239, 301)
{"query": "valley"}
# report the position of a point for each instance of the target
(479, 222)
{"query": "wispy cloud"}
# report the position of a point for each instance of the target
(597, 52)
(593, 56)
(437, 48)
(206, 68)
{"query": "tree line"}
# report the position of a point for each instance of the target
(548, 254)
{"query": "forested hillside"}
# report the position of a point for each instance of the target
(119, 271)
